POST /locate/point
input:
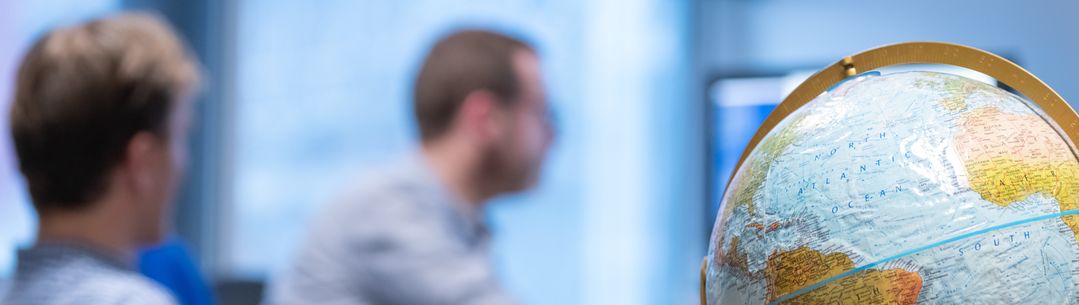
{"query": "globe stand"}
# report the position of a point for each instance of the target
(987, 63)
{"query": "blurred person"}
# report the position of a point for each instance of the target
(99, 123)
(412, 232)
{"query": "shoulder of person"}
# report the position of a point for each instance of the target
(391, 189)
(118, 288)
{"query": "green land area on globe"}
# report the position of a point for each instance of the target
(906, 188)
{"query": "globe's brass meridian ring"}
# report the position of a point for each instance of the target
(1061, 115)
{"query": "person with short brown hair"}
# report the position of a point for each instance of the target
(99, 123)
(412, 232)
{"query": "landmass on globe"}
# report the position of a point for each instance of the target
(904, 188)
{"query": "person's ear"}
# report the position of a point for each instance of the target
(479, 116)
(140, 161)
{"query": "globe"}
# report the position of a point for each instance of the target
(902, 188)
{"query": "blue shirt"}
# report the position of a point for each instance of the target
(172, 266)
(398, 237)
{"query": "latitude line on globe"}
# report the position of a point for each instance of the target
(826, 281)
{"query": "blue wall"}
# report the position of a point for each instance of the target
(774, 34)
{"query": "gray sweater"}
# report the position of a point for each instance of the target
(399, 237)
(67, 274)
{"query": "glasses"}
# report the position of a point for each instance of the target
(547, 116)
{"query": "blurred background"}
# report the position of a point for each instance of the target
(655, 99)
